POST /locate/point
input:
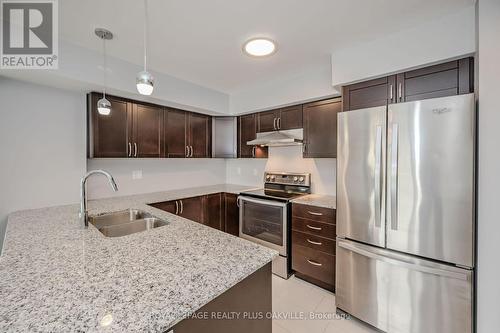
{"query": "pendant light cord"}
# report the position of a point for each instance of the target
(145, 32)
(105, 65)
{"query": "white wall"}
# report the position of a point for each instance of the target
(157, 175)
(251, 171)
(488, 313)
(449, 37)
(306, 84)
(42, 140)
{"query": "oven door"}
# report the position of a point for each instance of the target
(264, 222)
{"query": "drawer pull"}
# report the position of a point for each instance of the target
(314, 213)
(313, 242)
(313, 228)
(314, 263)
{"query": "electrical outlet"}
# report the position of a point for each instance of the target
(137, 174)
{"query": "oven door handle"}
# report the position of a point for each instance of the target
(262, 201)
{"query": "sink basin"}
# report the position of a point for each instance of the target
(125, 222)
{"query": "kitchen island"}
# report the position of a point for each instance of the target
(57, 277)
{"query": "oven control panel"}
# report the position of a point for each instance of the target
(285, 178)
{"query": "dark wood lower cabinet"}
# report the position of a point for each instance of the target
(231, 214)
(219, 210)
(313, 244)
(252, 296)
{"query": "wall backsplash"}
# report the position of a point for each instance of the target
(250, 171)
(157, 175)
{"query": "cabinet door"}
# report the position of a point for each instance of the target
(268, 121)
(369, 94)
(231, 214)
(168, 206)
(192, 209)
(447, 79)
(147, 131)
(290, 117)
(320, 128)
(175, 133)
(110, 135)
(200, 135)
(247, 126)
(213, 211)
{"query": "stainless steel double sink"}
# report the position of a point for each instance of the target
(125, 222)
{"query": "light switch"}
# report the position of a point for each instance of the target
(137, 174)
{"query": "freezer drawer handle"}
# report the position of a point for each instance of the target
(314, 213)
(313, 242)
(314, 263)
(313, 228)
(394, 178)
(400, 263)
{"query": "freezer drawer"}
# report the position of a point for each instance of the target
(399, 293)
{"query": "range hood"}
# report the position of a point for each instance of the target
(279, 138)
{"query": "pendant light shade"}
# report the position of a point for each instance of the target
(144, 80)
(144, 83)
(103, 105)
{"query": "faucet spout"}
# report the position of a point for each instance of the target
(84, 217)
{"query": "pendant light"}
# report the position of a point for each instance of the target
(103, 105)
(144, 80)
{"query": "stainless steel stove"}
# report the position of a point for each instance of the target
(265, 214)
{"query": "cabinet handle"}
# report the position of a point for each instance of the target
(274, 123)
(187, 151)
(182, 206)
(314, 228)
(313, 242)
(314, 213)
(314, 263)
(129, 149)
(391, 94)
(253, 151)
(400, 91)
(176, 207)
(279, 123)
(304, 147)
(135, 149)
(191, 147)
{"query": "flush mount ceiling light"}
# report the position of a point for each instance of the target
(144, 80)
(259, 47)
(103, 105)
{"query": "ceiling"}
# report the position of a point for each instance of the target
(200, 40)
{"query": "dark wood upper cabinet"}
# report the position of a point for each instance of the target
(175, 133)
(200, 135)
(320, 128)
(290, 117)
(247, 131)
(109, 136)
(231, 216)
(280, 119)
(446, 79)
(147, 130)
(213, 216)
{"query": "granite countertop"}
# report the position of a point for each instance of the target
(318, 200)
(57, 277)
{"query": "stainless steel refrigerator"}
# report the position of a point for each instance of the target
(405, 215)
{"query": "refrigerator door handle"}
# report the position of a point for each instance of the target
(411, 266)
(378, 178)
(394, 178)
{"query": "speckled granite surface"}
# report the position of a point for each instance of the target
(326, 201)
(57, 277)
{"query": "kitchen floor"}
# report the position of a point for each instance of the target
(298, 298)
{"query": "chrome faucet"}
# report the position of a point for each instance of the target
(84, 217)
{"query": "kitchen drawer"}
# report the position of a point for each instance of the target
(319, 214)
(320, 229)
(313, 242)
(314, 264)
